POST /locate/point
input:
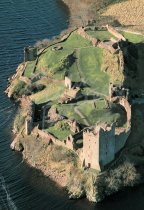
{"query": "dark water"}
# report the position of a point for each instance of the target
(22, 23)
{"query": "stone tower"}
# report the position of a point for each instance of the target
(98, 146)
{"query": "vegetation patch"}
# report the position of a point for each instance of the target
(90, 63)
(101, 35)
(60, 130)
(135, 38)
(93, 111)
(50, 93)
(29, 69)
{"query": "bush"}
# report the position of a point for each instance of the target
(34, 88)
(114, 180)
(76, 183)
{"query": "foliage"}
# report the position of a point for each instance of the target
(115, 179)
(61, 130)
(18, 88)
(82, 183)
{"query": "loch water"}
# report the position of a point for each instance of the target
(22, 23)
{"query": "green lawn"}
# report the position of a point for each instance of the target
(101, 35)
(60, 130)
(50, 60)
(135, 38)
(93, 115)
(90, 61)
(29, 69)
(50, 93)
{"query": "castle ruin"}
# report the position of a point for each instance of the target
(102, 142)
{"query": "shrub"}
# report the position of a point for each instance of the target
(76, 183)
(34, 88)
(123, 176)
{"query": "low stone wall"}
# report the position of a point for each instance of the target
(95, 42)
(49, 139)
(115, 33)
(82, 33)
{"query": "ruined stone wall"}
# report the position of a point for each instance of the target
(121, 136)
(68, 83)
(50, 139)
(95, 42)
(82, 33)
(123, 102)
(102, 45)
(115, 33)
(28, 125)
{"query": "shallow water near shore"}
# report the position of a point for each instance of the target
(22, 23)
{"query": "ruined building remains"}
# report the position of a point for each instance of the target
(30, 54)
(68, 83)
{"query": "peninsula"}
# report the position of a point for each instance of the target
(77, 120)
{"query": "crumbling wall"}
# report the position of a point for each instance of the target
(50, 139)
(82, 33)
(53, 115)
(115, 33)
(95, 42)
(123, 102)
(122, 134)
(74, 127)
(68, 83)
(70, 94)
(28, 125)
